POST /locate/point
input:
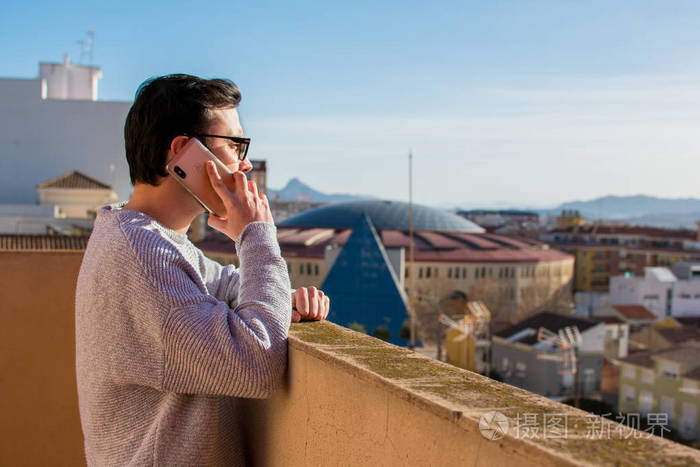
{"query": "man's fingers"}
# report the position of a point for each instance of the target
(302, 302)
(313, 303)
(326, 306)
(240, 182)
(217, 183)
(252, 186)
(296, 317)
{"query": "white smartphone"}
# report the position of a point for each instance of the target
(189, 168)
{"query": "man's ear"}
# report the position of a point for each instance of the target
(177, 143)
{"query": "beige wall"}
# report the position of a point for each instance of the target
(75, 202)
(38, 397)
(349, 399)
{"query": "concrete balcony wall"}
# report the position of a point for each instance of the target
(348, 399)
(38, 394)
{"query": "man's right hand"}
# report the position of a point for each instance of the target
(241, 200)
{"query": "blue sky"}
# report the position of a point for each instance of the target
(515, 102)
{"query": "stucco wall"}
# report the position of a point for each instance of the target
(349, 399)
(38, 397)
(43, 138)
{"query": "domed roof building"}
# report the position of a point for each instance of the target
(513, 275)
(392, 215)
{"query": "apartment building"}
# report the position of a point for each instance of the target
(56, 123)
(606, 251)
(664, 382)
(528, 356)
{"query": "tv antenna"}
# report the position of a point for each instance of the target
(86, 46)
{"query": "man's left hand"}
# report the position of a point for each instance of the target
(309, 304)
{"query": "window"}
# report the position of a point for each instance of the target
(505, 364)
(520, 370)
(420, 273)
(646, 400)
(427, 272)
(301, 269)
(464, 275)
(476, 273)
(308, 268)
(648, 376)
(449, 273)
(668, 371)
(315, 269)
(589, 380)
(629, 372)
(628, 393)
(651, 297)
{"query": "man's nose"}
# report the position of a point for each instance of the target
(245, 166)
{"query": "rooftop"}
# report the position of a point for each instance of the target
(548, 320)
(75, 179)
(383, 214)
(681, 334)
(28, 242)
(684, 234)
(634, 312)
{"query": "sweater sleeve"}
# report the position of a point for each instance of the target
(211, 349)
(221, 281)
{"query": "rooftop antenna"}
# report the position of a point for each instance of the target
(86, 47)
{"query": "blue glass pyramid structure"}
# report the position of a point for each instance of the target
(362, 285)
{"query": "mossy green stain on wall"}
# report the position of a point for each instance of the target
(475, 394)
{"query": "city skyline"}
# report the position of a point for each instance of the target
(532, 103)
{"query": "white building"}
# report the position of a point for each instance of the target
(660, 291)
(53, 124)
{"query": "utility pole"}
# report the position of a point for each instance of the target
(412, 272)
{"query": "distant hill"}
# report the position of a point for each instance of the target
(623, 207)
(298, 190)
(638, 210)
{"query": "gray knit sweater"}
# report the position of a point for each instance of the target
(166, 339)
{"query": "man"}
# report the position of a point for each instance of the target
(167, 339)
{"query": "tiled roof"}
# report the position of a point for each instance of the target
(634, 312)
(688, 320)
(684, 353)
(548, 320)
(75, 179)
(642, 358)
(607, 319)
(25, 242)
(430, 246)
(630, 230)
(680, 335)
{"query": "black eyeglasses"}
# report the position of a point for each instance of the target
(241, 144)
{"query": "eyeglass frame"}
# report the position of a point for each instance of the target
(235, 139)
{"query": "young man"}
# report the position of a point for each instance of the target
(166, 338)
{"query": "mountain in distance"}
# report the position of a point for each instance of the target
(296, 190)
(635, 210)
(629, 207)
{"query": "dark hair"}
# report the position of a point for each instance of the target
(166, 107)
